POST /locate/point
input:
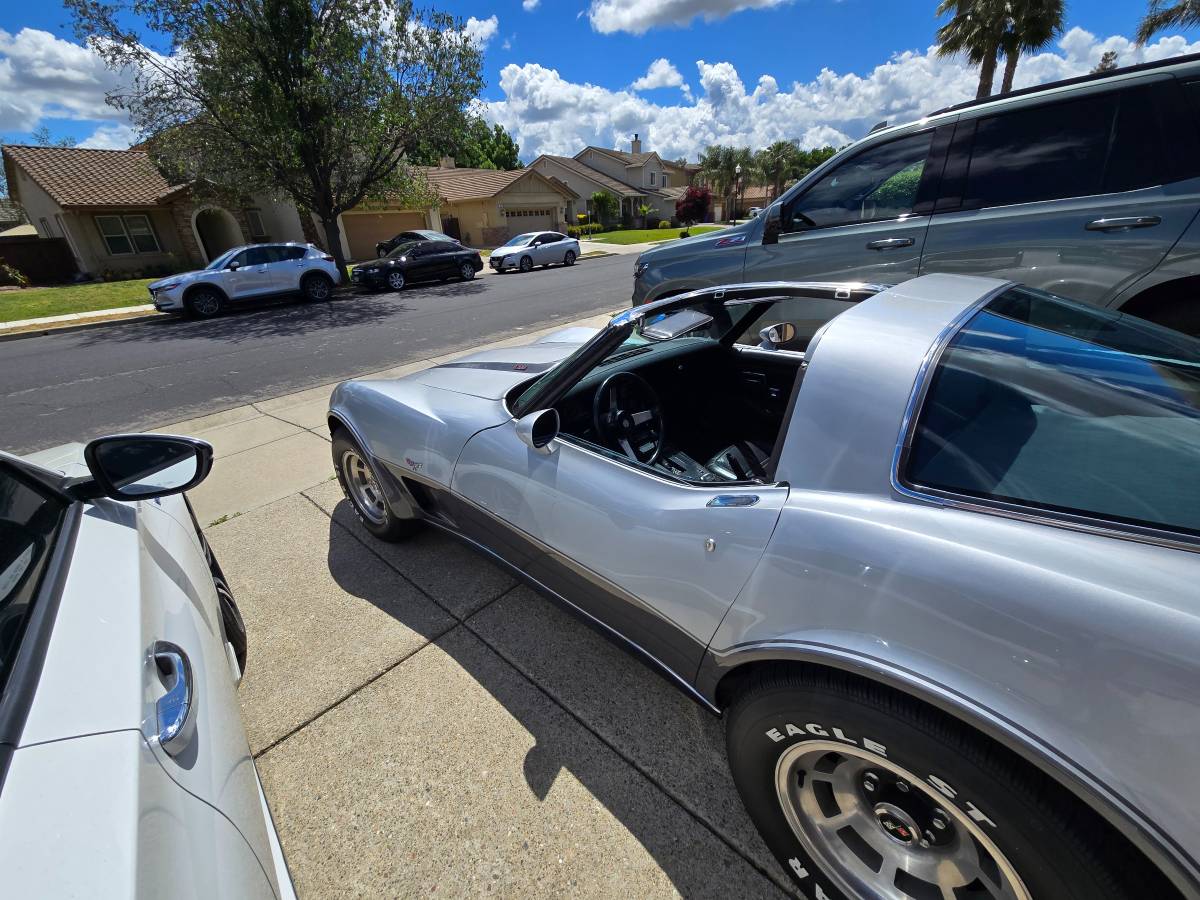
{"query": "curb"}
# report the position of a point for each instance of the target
(31, 331)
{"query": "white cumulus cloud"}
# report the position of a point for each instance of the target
(548, 114)
(639, 16)
(530, 5)
(660, 74)
(115, 136)
(481, 31)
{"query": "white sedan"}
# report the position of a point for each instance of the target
(535, 248)
(124, 766)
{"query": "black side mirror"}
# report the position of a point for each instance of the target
(234, 266)
(144, 466)
(771, 223)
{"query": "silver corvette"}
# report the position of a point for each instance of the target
(930, 550)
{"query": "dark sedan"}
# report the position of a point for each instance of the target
(418, 261)
(383, 248)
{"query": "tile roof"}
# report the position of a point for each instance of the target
(585, 171)
(454, 185)
(630, 159)
(76, 176)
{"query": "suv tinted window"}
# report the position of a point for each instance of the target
(1097, 144)
(1055, 405)
(879, 183)
(29, 521)
(292, 253)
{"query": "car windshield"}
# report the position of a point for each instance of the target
(520, 240)
(223, 260)
(401, 249)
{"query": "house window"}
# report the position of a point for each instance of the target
(127, 234)
(257, 231)
(664, 184)
(651, 179)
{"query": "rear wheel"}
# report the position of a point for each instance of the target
(316, 287)
(366, 496)
(569, 259)
(861, 792)
(526, 264)
(204, 302)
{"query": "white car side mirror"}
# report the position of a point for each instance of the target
(537, 430)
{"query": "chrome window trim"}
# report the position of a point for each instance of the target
(1019, 511)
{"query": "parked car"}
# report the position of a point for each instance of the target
(535, 248)
(418, 261)
(1088, 188)
(753, 211)
(383, 248)
(243, 274)
(124, 766)
(936, 566)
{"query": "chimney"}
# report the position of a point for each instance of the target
(446, 162)
(635, 146)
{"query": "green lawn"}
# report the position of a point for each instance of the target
(646, 235)
(33, 303)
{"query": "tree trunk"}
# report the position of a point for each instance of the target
(333, 237)
(1010, 69)
(987, 74)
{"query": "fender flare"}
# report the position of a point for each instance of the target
(713, 680)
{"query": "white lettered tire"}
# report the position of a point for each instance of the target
(860, 791)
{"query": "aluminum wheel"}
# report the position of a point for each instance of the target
(395, 281)
(205, 303)
(317, 287)
(526, 264)
(467, 271)
(878, 831)
(363, 488)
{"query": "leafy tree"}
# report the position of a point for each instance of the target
(604, 205)
(778, 164)
(976, 28)
(694, 205)
(1107, 63)
(473, 145)
(1032, 24)
(644, 210)
(1161, 15)
(321, 101)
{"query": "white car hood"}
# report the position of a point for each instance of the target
(172, 279)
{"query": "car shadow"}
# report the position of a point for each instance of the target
(661, 735)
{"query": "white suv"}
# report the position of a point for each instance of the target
(252, 272)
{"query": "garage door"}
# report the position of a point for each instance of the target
(365, 230)
(521, 220)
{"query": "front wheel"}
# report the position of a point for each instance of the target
(569, 259)
(861, 792)
(358, 482)
(316, 287)
(467, 271)
(203, 303)
(395, 280)
(526, 264)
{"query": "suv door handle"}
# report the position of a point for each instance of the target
(173, 712)
(889, 243)
(1123, 224)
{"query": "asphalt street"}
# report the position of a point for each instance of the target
(78, 385)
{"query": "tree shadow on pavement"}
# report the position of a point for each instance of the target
(559, 679)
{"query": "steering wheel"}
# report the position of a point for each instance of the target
(627, 417)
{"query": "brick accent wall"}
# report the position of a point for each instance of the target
(181, 214)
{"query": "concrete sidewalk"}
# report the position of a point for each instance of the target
(423, 724)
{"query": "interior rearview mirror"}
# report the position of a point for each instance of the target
(773, 336)
(771, 223)
(537, 430)
(144, 466)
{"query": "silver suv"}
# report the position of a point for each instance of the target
(253, 272)
(1087, 188)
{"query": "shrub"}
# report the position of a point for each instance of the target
(12, 275)
(581, 230)
(664, 224)
(684, 233)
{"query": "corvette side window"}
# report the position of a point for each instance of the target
(1050, 404)
(808, 315)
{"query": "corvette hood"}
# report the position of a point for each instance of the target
(491, 374)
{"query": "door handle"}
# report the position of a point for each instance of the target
(889, 243)
(1124, 223)
(175, 722)
(728, 500)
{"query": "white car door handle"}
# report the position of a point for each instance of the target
(176, 723)
(1124, 223)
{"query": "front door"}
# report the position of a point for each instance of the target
(252, 276)
(656, 560)
(862, 221)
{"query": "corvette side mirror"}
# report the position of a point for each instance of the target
(537, 430)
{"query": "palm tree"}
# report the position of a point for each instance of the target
(718, 169)
(777, 164)
(1032, 24)
(1160, 16)
(976, 28)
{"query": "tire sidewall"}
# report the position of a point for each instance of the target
(403, 281)
(762, 728)
(526, 264)
(467, 271)
(393, 527)
(569, 259)
(306, 287)
(191, 304)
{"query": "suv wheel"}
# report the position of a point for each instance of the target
(526, 264)
(204, 302)
(862, 792)
(362, 489)
(316, 287)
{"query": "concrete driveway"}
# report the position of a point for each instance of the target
(424, 725)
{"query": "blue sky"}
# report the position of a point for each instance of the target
(558, 81)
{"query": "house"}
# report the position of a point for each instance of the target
(11, 214)
(635, 178)
(119, 214)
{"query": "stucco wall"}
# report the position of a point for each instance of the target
(280, 218)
